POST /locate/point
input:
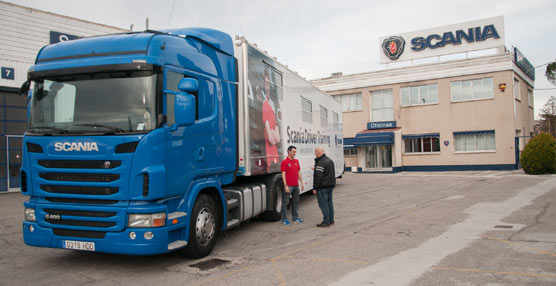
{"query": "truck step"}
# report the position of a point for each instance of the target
(232, 203)
(177, 244)
(232, 223)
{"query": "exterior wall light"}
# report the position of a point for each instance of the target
(502, 87)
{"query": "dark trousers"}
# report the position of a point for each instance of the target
(324, 197)
(294, 191)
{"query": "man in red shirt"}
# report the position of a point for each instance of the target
(291, 176)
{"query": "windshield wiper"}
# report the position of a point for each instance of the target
(111, 128)
(58, 130)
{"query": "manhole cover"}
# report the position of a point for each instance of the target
(209, 264)
(503, 226)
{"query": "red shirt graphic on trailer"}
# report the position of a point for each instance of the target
(271, 149)
(291, 167)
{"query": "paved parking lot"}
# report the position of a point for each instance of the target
(449, 228)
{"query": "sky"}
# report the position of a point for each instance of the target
(319, 37)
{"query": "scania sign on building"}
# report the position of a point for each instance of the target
(464, 37)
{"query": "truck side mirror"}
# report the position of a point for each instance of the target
(184, 102)
(24, 89)
(188, 85)
(184, 109)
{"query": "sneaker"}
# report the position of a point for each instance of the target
(286, 222)
(323, 225)
(297, 220)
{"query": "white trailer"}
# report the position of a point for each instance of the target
(306, 117)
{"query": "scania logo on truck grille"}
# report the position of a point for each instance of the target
(76, 146)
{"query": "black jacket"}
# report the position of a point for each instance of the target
(324, 175)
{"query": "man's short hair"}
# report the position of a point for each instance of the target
(291, 148)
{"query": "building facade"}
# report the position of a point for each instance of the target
(474, 113)
(23, 32)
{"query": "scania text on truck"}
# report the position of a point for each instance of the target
(149, 142)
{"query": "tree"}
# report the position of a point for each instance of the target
(548, 116)
(550, 70)
(539, 155)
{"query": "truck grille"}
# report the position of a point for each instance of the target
(81, 201)
(80, 213)
(81, 190)
(77, 177)
(100, 180)
(79, 233)
(82, 198)
(88, 223)
(80, 164)
(82, 218)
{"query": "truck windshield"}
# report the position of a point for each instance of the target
(105, 103)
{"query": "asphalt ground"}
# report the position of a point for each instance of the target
(447, 228)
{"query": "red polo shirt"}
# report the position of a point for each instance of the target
(291, 167)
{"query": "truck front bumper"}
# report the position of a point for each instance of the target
(113, 242)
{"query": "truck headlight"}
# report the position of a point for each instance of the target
(146, 220)
(30, 214)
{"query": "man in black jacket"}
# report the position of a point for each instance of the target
(324, 181)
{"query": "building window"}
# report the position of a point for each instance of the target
(382, 105)
(426, 143)
(475, 141)
(516, 89)
(323, 116)
(307, 110)
(472, 89)
(335, 118)
(419, 95)
(350, 151)
(530, 99)
(350, 102)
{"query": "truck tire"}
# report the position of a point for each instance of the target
(204, 227)
(275, 188)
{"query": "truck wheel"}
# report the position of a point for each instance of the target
(275, 187)
(203, 228)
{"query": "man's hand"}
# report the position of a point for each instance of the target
(287, 189)
(315, 192)
(301, 186)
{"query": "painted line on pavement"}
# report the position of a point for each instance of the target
(519, 244)
(473, 270)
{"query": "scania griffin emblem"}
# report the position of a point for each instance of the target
(393, 47)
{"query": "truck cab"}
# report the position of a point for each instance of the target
(126, 134)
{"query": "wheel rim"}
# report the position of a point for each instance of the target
(278, 195)
(205, 227)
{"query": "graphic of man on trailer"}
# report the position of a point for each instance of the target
(265, 94)
(271, 131)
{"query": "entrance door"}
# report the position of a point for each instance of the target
(378, 157)
(13, 164)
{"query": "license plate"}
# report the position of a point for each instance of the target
(79, 245)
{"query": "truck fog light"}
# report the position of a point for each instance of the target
(148, 235)
(30, 214)
(132, 235)
(31, 228)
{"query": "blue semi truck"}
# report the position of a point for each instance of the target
(155, 141)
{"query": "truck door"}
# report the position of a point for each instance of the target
(191, 150)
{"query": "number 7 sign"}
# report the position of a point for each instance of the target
(8, 73)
